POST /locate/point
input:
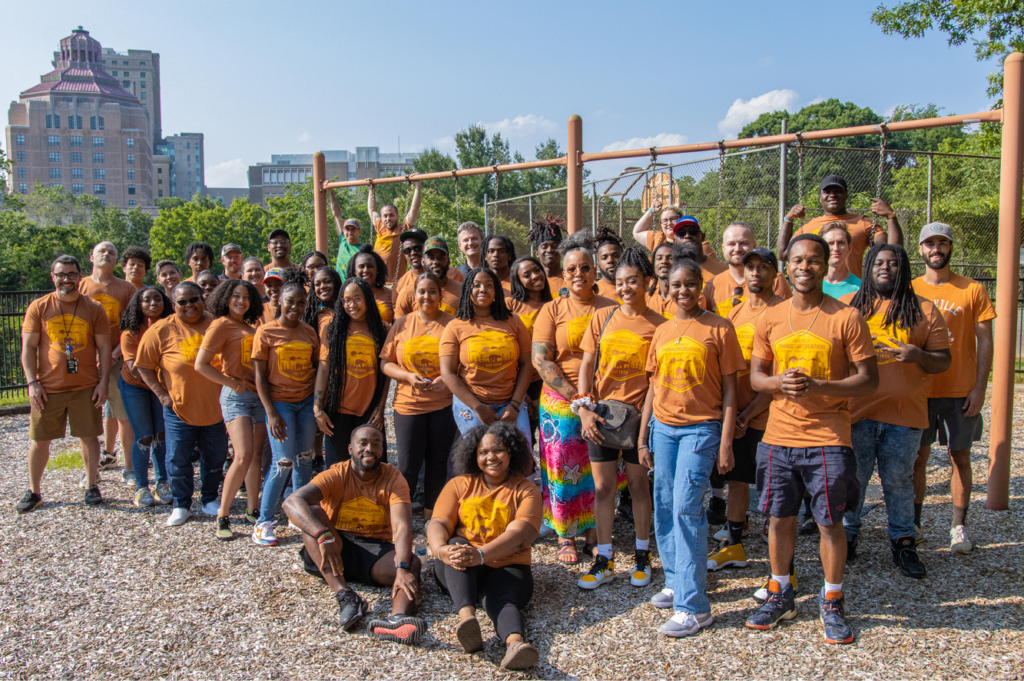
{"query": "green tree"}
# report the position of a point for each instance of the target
(54, 206)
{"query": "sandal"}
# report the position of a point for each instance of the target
(567, 552)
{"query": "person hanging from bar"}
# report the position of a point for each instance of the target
(545, 236)
(389, 230)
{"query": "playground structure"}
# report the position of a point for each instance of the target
(1011, 116)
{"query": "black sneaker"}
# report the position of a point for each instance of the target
(29, 502)
(93, 496)
(716, 511)
(405, 629)
(353, 608)
(625, 509)
(851, 548)
(224, 532)
(318, 463)
(904, 554)
(107, 461)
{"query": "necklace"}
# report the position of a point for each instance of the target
(581, 312)
(801, 333)
(675, 321)
(761, 309)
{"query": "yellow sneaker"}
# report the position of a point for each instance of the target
(642, 569)
(602, 572)
(729, 556)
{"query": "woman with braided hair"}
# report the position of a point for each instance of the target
(530, 291)
(545, 236)
(609, 250)
(324, 291)
(370, 267)
(350, 387)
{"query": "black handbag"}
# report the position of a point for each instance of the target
(621, 425)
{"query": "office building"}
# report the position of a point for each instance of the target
(227, 195)
(186, 172)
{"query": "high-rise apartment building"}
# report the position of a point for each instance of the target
(81, 129)
(186, 174)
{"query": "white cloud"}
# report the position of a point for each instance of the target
(743, 112)
(446, 145)
(304, 137)
(817, 100)
(663, 139)
(520, 126)
(227, 174)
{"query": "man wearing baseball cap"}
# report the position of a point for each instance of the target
(231, 259)
(279, 243)
(687, 230)
(955, 396)
(832, 194)
(435, 261)
(273, 280)
(726, 290)
(349, 233)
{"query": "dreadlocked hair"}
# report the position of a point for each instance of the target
(603, 236)
(499, 310)
(520, 292)
(654, 256)
(337, 337)
(550, 227)
(133, 320)
(637, 259)
(218, 302)
(381, 280)
(904, 308)
(313, 302)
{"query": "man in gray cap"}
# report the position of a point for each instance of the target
(231, 258)
(832, 194)
(955, 396)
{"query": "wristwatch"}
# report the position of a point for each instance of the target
(403, 565)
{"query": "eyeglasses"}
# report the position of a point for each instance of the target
(737, 294)
(182, 302)
(67, 276)
(409, 250)
(358, 300)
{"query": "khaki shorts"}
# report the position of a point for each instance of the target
(115, 407)
(61, 408)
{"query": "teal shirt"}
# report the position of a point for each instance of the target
(850, 285)
(345, 253)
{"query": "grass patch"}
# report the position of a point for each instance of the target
(65, 460)
(12, 400)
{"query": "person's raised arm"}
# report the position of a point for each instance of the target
(414, 207)
(207, 371)
(976, 398)
(644, 223)
(371, 204)
(335, 211)
(797, 212)
(894, 231)
(29, 353)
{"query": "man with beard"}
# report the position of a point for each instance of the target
(499, 254)
(231, 259)
(955, 397)
(356, 523)
(728, 289)
(389, 230)
(435, 261)
(412, 248)
(688, 231)
(609, 252)
(546, 235)
(912, 342)
(279, 244)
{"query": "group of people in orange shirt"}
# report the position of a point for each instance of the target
(711, 374)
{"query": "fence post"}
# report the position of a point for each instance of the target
(593, 206)
(782, 185)
(1007, 284)
(928, 217)
(320, 202)
(574, 175)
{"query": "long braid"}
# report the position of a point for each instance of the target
(904, 308)
(337, 336)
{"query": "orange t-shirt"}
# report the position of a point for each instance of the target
(667, 307)
(171, 346)
(606, 288)
(487, 353)
(451, 291)
(414, 345)
(114, 296)
(129, 350)
(405, 280)
(688, 359)
(900, 398)
(232, 341)
(860, 228)
(269, 313)
(963, 303)
(360, 370)
(382, 297)
(824, 349)
(719, 291)
(54, 321)
(362, 508)
(527, 313)
(388, 247)
(622, 362)
(480, 515)
(291, 356)
(555, 285)
(561, 324)
(744, 321)
(324, 317)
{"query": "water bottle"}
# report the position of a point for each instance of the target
(419, 546)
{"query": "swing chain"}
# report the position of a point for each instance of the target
(878, 189)
(800, 166)
(458, 219)
(721, 173)
(497, 179)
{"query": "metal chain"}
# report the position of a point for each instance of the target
(799, 167)
(721, 172)
(458, 218)
(878, 189)
(497, 179)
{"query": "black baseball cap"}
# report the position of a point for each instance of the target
(414, 233)
(280, 232)
(833, 181)
(764, 254)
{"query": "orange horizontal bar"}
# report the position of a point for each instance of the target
(447, 174)
(995, 116)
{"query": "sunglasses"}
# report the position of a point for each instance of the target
(409, 250)
(737, 294)
(188, 301)
(582, 269)
(689, 231)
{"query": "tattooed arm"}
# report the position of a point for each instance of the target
(554, 378)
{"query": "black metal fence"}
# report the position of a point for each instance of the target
(12, 312)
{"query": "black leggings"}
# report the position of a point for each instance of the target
(504, 592)
(425, 437)
(336, 446)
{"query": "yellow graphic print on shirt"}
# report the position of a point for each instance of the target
(295, 360)
(362, 517)
(111, 306)
(247, 351)
(421, 353)
(745, 335)
(574, 330)
(360, 356)
(190, 348)
(484, 518)
(528, 320)
(383, 309)
(492, 351)
(810, 354)
(681, 364)
(75, 328)
(725, 307)
(884, 338)
(623, 355)
(444, 307)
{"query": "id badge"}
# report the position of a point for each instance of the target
(73, 365)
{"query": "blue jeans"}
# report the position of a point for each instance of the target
(182, 441)
(466, 419)
(895, 450)
(146, 416)
(683, 459)
(292, 458)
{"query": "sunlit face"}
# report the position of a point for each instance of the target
(469, 241)
(833, 199)
(807, 267)
(390, 216)
(607, 258)
(104, 255)
(428, 296)
(65, 278)
(366, 449)
(293, 304)
(736, 241)
(482, 290)
(238, 304)
(272, 287)
(936, 252)
(493, 457)
(531, 277)
(208, 282)
(313, 263)
(323, 287)
(232, 262)
(684, 287)
(280, 247)
(884, 271)
(366, 268)
(134, 270)
(839, 246)
(630, 285)
(435, 261)
(579, 273)
(668, 220)
(152, 304)
(168, 277)
(188, 303)
(663, 262)
(691, 234)
(253, 273)
(354, 302)
(760, 276)
(496, 255)
(352, 233)
(413, 250)
(549, 256)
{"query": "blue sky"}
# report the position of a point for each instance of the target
(259, 78)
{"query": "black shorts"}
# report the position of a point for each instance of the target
(599, 454)
(828, 474)
(358, 556)
(947, 424)
(744, 454)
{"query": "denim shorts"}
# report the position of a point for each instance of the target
(234, 405)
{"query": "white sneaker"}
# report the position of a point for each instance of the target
(663, 599)
(684, 624)
(178, 517)
(211, 508)
(958, 541)
(263, 534)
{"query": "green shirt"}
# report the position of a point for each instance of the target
(345, 253)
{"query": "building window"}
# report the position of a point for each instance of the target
(23, 188)
(142, 74)
(188, 145)
(21, 157)
(82, 100)
(114, 73)
(143, 95)
(77, 188)
(99, 189)
(142, 63)
(131, 203)
(76, 157)
(131, 174)
(69, 99)
(19, 140)
(131, 159)
(160, 192)
(131, 189)
(53, 140)
(93, 122)
(127, 84)
(130, 142)
(143, 83)
(160, 171)
(49, 121)
(103, 203)
(78, 122)
(21, 173)
(188, 158)
(77, 174)
(54, 185)
(97, 141)
(54, 157)
(97, 158)
(99, 174)
(158, 181)
(54, 173)
(76, 140)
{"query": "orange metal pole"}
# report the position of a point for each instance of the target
(1011, 173)
(447, 174)
(320, 202)
(574, 175)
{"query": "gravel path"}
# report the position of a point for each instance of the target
(111, 592)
